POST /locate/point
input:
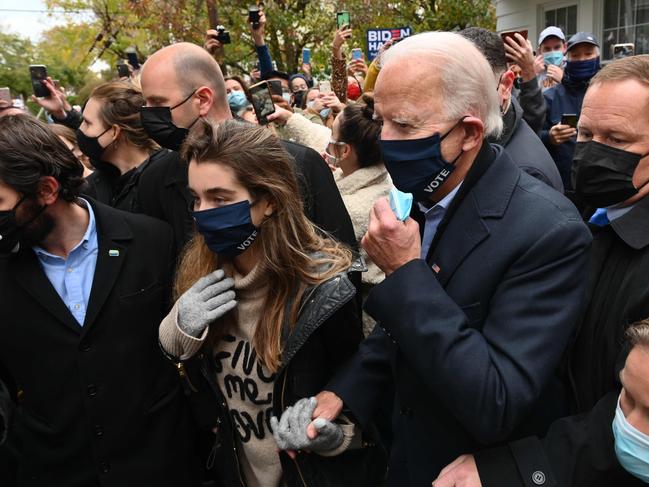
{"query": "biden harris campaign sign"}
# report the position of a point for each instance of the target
(377, 37)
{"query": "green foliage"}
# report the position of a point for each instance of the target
(69, 50)
(15, 57)
(58, 50)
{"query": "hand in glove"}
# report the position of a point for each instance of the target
(290, 430)
(208, 299)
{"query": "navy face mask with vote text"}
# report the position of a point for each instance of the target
(416, 166)
(227, 230)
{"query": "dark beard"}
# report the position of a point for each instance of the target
(35, 232)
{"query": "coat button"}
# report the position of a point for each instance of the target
(538, 478)
(104, 467)
(406, 412)
(99, 431)
(92, 390)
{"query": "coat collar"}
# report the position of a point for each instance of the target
(633, 227)
(112, 232)
(485, 193)
(362, 178)
(511, 121)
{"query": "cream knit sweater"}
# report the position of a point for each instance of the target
(246, 384)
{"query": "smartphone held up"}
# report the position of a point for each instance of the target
(343, 20)
(262, 101)
(38, 74)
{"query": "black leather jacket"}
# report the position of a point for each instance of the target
(325, 335)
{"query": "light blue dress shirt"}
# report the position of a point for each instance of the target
(72, 277)
(434, 217)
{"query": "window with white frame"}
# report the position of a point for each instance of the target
(563, 17)
(625, 21)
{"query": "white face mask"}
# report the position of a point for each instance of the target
(631, 446)
(287, 97)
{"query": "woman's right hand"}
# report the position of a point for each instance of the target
(210, 298)
(340, 37)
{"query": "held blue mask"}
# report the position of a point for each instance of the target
(227, 230)
(554, 58)
(582, 70)
(324, 113)
(631, 446)
(416, 166)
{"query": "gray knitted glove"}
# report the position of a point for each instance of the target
(207, 300)
(290, 430)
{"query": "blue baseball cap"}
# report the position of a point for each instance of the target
(582, 38)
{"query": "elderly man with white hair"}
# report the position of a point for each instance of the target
(484, 280)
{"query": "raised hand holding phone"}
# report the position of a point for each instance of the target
(258, 29)
(54, 103)
(519, 50)
(340, 37)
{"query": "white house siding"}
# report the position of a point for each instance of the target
(528, 14)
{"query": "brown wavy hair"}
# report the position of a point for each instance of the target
(120, 105)
(294, 254)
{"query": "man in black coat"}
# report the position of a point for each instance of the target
(473, 318)
(520, 142)
(185, 78)
(85, 288)
(611, 175)
(5, 412)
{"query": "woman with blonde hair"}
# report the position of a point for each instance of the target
(265, 315)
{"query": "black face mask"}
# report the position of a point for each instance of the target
(10, 231)
(602, 175)
(158, 123)
(90, 146)
(297, 97)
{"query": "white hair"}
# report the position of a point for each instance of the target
(467, 80)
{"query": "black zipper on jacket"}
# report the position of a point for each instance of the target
(217, 391)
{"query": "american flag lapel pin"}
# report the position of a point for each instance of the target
(435, 268)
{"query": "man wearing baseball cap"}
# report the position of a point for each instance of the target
(551, 56)
(564, 102)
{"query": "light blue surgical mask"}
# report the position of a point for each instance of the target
(237, 101)
(554, 58)
(631, 446)
(324, 113)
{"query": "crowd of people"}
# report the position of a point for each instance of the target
(200, 293)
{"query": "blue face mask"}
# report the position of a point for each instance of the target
(631, 446)
(554, 58)
(582, 70)
(417, 166)
(324, 113)
(228, 230)
(237, 101)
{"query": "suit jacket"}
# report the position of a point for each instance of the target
(472, 338)
(526, 149)
(579, 450)
(98, 404)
